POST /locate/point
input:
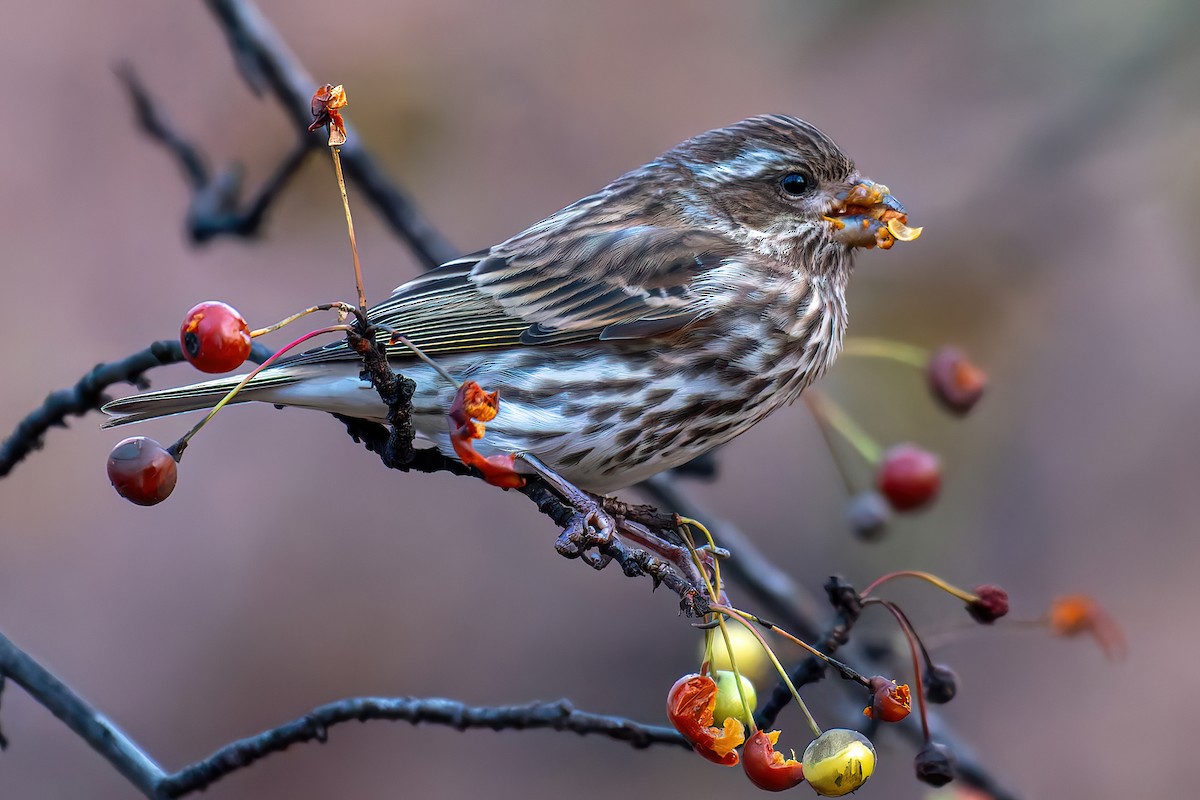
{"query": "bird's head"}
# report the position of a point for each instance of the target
(783, 188)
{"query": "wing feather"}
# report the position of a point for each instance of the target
(627, 283)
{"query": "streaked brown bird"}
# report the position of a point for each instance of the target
(632, 330)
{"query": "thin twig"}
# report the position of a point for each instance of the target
(88, 395)
(216, 208)
(559, 716)
(268, 64)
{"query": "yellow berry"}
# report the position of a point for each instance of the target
(838, 761)
(751, 660)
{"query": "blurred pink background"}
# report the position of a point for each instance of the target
(1050, 151)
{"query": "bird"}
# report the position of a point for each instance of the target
(631, 331)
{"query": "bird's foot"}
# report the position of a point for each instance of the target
(590, 527)
(677, 556)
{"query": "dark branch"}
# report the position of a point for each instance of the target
(150, 779)
(89, 724)
(216, 208)
(634, 561)
(156, 126)
(558, 716)
(847, 606)
(88, 395)
(268, 65)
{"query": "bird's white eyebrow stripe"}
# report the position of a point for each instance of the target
(751, 162)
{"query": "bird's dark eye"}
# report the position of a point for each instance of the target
(795, 183)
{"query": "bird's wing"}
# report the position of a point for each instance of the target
(623, 283)
(627, 283)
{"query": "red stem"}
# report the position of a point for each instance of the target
(911, 636)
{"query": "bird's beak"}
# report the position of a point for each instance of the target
(866, 215)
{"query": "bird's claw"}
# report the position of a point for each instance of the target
(589, 528)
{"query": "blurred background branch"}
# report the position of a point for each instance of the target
(268, 65)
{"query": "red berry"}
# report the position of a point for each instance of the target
(214, 337)
(909, 477)
(142, 471)
(955, 381)
(767, 768)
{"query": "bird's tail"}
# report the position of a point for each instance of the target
(151, 405)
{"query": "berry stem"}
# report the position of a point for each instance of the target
(713, 595)
(830, 413)
(688, 521)
(966, 597)
(706, 663)
(735, 615)
(869, 347)
(178, 447)
(344, 308)
(358, 282)
(737, 673)
(827, 435)
(911, 635)
(722, 611)
(845, 669)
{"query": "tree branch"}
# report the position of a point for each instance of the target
(149, 778)
(634, 561)
(216, 208)
(268, 65)
(559, 716)
(89, 724)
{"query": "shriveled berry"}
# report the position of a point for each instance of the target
(909, 477)
(934, 764)
(955, 381)
(868, 515)
(989, 605)
(889, 702)
(142, 471)
(215, 337)
(941, 684)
